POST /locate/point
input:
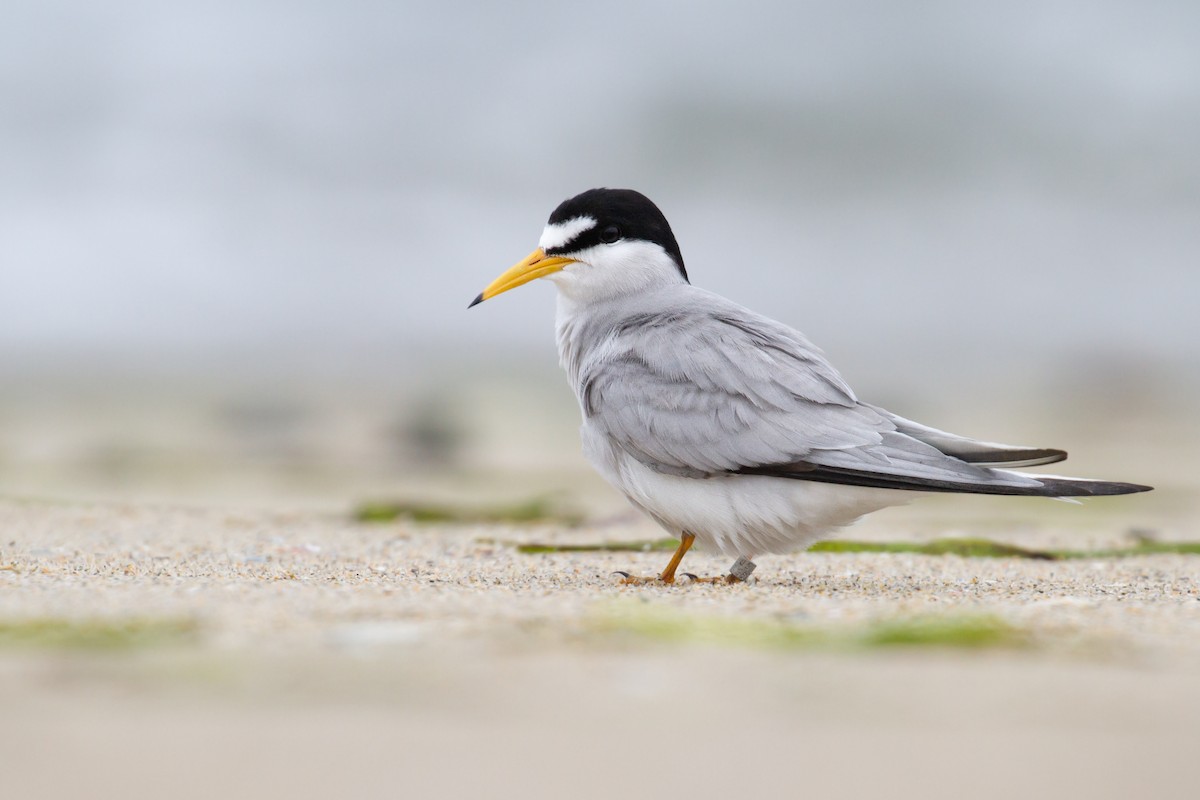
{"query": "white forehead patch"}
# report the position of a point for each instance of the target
(560, 233)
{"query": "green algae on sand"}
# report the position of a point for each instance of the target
(962, 547)
(538, 510)
(94, 634)
(953, 631)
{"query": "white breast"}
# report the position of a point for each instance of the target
(738, 515)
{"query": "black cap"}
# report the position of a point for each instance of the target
(631, 213)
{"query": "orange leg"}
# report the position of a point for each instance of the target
(738, 573)
(668, 574)
(685, 544)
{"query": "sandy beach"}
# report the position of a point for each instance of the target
(177, 650)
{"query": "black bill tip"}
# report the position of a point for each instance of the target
(476, 301)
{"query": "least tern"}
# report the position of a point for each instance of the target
(725, 427)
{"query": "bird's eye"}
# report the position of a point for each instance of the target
(610, 234)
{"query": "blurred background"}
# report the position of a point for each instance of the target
(237, 243)
(237, 240)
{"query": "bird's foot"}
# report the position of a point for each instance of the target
(738, 573)
(638, 580)
(722, 579)
(626, 579)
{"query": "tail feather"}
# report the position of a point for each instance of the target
(917, 458)
(974, 451)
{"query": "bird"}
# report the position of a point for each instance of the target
(725, 427)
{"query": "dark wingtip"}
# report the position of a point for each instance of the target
(1111, 488)
(478, 299)
(1066, 487)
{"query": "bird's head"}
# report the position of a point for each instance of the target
(602, 243)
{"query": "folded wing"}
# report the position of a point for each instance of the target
(714, 389)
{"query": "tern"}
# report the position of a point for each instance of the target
(727, 428)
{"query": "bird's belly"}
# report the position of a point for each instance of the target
(740, 515)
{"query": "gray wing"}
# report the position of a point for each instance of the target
(700, 393)
(712, 388)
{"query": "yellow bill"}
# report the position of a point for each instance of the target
(536, 265)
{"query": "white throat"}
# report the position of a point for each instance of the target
(607, 272)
